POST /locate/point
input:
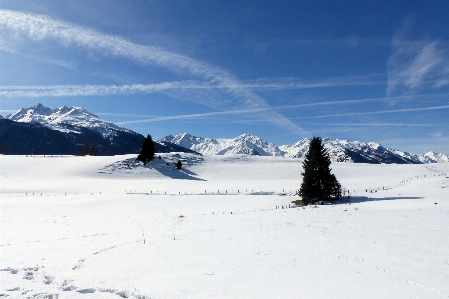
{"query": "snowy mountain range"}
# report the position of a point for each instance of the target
(339, 150)
(66, 119)
(63, 130)
(243, 144)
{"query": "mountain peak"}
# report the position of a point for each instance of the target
(40, 106)
(41, 109)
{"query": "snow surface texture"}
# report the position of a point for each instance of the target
(66, 119)
(221, 227)
(339, 150)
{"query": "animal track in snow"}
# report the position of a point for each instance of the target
(81, 261)
(409, 281)
(421, 285)
(383, 270)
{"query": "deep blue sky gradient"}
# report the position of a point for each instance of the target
(281, 70)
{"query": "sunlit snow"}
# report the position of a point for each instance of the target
(221, 227)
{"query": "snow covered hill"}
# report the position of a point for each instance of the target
(67, 119)
(221, 227)
(339, 150)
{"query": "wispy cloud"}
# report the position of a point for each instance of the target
(416, 64)
(35, 91)
(184, 116)
(121, 114)
(40, 27)
(284, 107)
(381, 112)
(376, 125)
(295, 83)
(9, 48)
(95, 90)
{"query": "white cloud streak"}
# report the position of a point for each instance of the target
(416, 64)
(375, 125)
(35, 91)
(8, 47)
(294, 83)
(94, 90)
(244, 111)
(186, 116)
(382, 112)
(40, 27)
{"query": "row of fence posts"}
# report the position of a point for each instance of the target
(185, 192)
(37, 194)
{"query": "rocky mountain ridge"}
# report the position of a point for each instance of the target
(339, 150)
(66, 119)
(65, 130)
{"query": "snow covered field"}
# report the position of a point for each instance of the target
(105, 227)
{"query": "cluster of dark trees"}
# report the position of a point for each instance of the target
(5, 148)
(89, 149)
(318, 184)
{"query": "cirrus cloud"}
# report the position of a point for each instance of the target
(416, 64)
(40, 28)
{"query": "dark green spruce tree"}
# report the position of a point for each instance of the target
(318, 183)
(147, 152)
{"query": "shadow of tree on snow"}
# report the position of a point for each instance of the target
(173, 173)
(180, 174)
(360, 199)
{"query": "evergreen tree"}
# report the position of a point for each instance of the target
(318, 183)
(179, 164)
(147, 152)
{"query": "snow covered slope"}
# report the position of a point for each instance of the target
(432, 157)
(106, 227)
(66, 119)
(339, 150)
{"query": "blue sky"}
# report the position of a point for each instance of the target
(281, 70)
